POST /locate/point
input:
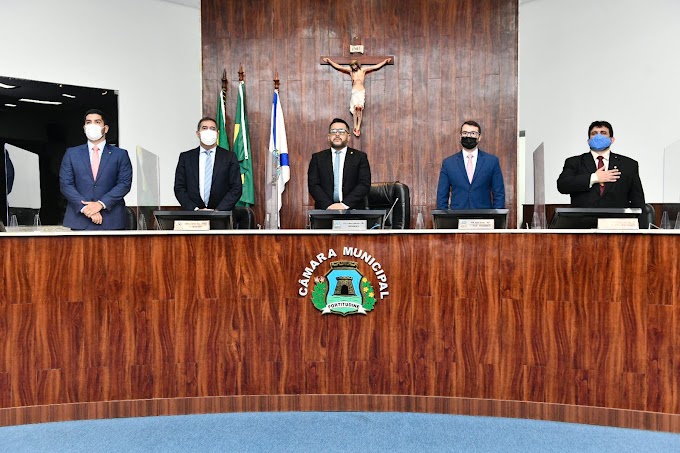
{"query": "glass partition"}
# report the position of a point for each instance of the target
(671, 182)
(6, 182)
(148, 188)
(22, 171)
(538, 220)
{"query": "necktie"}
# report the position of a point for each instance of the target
(470, 169)
(95, 161)
(336, 178)
(600, 164)
(207, 182)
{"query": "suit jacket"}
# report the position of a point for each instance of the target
(486, 191)
(626, 192)
(226, 186)
(356, 179)
(113, 182)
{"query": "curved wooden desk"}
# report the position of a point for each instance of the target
(578, 327)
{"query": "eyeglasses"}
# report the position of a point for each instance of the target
(470, 134)
(337, 131)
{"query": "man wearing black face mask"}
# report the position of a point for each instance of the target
(600, 178)
(472, 178)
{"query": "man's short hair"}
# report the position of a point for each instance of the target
(205, 118)
(95, 112)
(338, 120)
(606, 124)
(472, 123)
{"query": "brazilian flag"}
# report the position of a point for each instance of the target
(242, 148)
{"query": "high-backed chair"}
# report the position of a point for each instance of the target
(131, 218)
(243, 218)
(382, 195)
(648, 216)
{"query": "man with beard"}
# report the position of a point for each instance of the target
(339, 177)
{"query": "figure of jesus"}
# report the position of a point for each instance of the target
(358, 98)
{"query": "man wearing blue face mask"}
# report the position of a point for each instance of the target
(600, 178)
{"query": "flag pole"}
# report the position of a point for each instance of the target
(225, 84)
(276, 168)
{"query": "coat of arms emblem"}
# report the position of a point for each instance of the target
(343, 290)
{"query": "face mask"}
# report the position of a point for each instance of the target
(468, 142)
(599, 142)
(93, 132)
(208, 137)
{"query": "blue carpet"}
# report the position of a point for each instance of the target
(329, 432)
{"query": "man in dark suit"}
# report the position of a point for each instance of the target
(208, 177)
(600, 178)
(94, 178)
(339, 177)
(471, 178)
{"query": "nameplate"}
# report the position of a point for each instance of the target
(475, 224)
(192, 225)
(618, 224)
(351, 225)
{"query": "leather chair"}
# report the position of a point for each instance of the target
(243, 218)
(648, 216)
(131, 218)
(382, 196)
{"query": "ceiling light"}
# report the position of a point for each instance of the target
(4, 85)
(10, 105)
(37, 101)
(68, 96)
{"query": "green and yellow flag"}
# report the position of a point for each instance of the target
(242, 148)
(220, 117)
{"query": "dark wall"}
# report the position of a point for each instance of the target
(454, 60)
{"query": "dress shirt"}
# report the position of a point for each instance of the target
(605, 159)
(202, 156)
(474, 154)
(100, 148)
(343, 153)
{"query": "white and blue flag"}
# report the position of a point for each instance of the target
(278, 148)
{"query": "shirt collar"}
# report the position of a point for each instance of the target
(100, 145)
(474, 153)
(204, 149)
(342, 151)
(605, 155)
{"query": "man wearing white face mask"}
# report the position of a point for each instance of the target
(208, 177)
(94, 178)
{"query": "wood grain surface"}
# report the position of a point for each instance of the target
(455, 60)
(572, 321)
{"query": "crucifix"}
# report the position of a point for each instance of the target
(358, 75)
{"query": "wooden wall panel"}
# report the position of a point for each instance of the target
(526, 318)
(455, 60)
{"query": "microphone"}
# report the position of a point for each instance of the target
(389, 212)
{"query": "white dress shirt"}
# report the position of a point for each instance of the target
(605, 159)
(202, 156)
(343, 153)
